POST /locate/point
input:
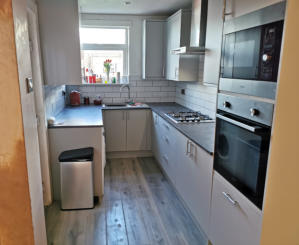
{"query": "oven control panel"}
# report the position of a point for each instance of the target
(270, 50)
(258, 111)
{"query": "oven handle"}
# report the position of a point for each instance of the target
(253, 129)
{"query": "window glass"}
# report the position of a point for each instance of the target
(102, 36)
(93, 62)
(104, 55)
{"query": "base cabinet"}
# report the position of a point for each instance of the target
(188, 167)
(195, 167)
(127, 130)
(234, 219)
(63, 139)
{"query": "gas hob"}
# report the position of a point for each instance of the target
(188, 117)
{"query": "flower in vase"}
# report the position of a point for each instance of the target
(107, 66)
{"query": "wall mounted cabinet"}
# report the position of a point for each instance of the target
(153, 60)
(127, 130)
(180, 67)
(213, 42)
(60, 44)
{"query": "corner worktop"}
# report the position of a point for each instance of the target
(79, 116)
(202, 134)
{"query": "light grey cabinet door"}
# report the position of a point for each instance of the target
(234, 220)
(173, 41)
(213, 42)
(115, 130)
(60, 44)
(138, 130)
(153, 49)
(194, 179)
(180, 67)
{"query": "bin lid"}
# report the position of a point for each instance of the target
(77, 155)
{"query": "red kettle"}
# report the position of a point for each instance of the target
(75, 98)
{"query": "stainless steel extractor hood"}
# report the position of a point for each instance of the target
(198, 30)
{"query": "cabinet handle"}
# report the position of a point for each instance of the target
(193, 151)
(123, 115)
(188, 150)
(166, 159)
(229, 198)
(167, 140)
(128, 115)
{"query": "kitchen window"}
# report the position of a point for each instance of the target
(104, 45)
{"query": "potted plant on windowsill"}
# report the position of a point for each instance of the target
(107, 66)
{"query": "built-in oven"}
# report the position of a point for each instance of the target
(251, 52)
(243, 129)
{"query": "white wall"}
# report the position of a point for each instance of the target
(135, 34)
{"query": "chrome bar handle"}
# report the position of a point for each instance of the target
(188, 149)
(240, 124)
(229, 198)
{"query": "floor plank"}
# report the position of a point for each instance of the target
(140, 207)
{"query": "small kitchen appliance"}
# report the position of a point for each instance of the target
(75, 98)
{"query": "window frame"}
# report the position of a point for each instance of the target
(122, 47)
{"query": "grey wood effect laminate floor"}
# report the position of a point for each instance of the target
(140, 207)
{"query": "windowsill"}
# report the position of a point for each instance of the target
(103, 84)
(123, 79)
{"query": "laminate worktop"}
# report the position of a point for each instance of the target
(202, 134)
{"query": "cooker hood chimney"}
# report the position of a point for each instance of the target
(198, 29)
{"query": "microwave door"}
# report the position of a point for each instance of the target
(247, 53)
(228, 55)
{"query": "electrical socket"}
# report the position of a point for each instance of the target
(183, 91)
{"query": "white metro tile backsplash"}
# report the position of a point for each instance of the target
(54, 100)
(198, 97)
(141, 91)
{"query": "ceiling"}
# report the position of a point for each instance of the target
(136, 7)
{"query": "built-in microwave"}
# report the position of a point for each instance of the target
(251, 52)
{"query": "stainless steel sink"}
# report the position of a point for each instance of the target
(115, 105)
(124, 105)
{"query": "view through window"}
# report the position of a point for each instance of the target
(104, 54)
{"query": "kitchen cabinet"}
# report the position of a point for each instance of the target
(180, 67)
(195, 167)
(213, 42)
(115, 123)
(188, 167)
(138, 130)
(153, 60)
(234, 219)
(62, 139)
(60, 44)
(127, 130)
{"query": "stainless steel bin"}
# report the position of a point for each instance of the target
(76, 178)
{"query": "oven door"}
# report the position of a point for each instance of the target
(241, 154)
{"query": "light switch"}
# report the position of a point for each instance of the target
(29, 85)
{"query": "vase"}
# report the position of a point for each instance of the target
(108, 77)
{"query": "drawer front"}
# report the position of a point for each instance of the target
(234, 219)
